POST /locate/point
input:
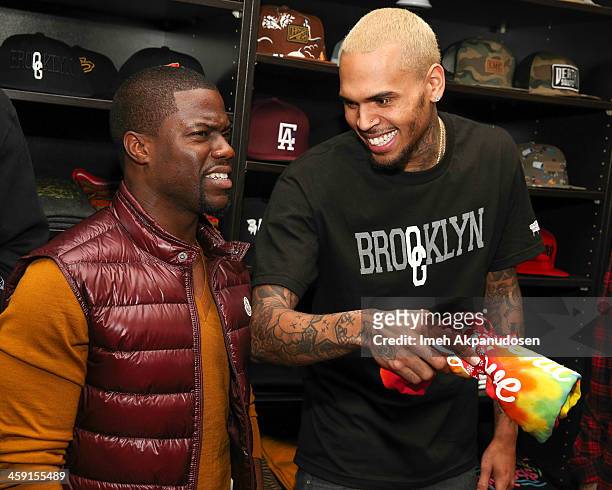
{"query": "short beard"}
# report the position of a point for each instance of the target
(206, 208)
(399, 163)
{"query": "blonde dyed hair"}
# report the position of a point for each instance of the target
(386, 26)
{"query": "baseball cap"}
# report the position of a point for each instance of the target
(99, 191)
(544, 166)
(287, 32)
(149, 57)
(478, 61)
(548, 74)
(543, 264)
(599, 81)
(41, 64)
(279, 131)
(99, 71)
(253, 209)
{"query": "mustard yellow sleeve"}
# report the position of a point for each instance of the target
(43, 345)
(257, 450)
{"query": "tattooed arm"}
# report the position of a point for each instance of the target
(504, 302)
(504, 306)
(281, 335)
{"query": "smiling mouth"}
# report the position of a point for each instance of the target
(217, 176)
(382, 142)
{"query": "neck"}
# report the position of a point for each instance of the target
(176, 221)
(426, 152)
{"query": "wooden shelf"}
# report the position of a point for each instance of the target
(222, 4)
(566, 193)
(555, 282)
(451, 87)
(524, 95)
(66, 100)
(269, 167)
(298, 63)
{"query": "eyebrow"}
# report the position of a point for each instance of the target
(211, 124)
(372, 98)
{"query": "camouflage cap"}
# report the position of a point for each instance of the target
(478, 61)
(548, 74)
(544, 166)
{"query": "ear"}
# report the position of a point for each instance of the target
(138, 147)
(436, 82)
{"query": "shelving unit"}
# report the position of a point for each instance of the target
(216, 32)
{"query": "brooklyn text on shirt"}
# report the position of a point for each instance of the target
(417, 247)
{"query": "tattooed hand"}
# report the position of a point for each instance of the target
(415, 360)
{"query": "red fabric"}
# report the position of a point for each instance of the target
(592, 462)
(139, 417)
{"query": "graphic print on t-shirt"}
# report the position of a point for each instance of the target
(381, 251)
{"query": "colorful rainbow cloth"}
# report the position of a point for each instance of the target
(532, 390)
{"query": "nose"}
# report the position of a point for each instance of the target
(222, 150)
(366, 120)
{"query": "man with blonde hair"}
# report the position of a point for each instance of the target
(411, 203)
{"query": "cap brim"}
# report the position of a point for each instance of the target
(534, 270)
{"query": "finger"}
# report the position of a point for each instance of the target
(438, 362)
(429, 355)
(405, 372)
(419, 367)
(485, 474)
(501, 483)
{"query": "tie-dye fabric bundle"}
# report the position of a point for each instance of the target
(532, 390)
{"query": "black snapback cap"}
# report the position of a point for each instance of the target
(149, 57)
(99, 70)
(41, 64)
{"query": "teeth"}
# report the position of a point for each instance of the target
(216, 176)
(384, 139)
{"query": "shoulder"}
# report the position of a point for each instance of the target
(325, 157)
(93, 237)
(468, 131)
(41, 276)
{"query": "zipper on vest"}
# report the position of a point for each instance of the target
(211, 277)
(199, 399)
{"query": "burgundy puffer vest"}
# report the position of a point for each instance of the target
(140, 413)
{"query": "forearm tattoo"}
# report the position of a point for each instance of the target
(504, 302)
(281, 335)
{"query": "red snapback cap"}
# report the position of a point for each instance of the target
(279, 131)
(543, 264)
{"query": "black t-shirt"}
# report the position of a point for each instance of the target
(338, 224)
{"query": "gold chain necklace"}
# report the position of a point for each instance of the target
(442, 140)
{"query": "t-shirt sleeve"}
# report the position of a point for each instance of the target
(520, 237)
(43, 345)
(287, 244)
